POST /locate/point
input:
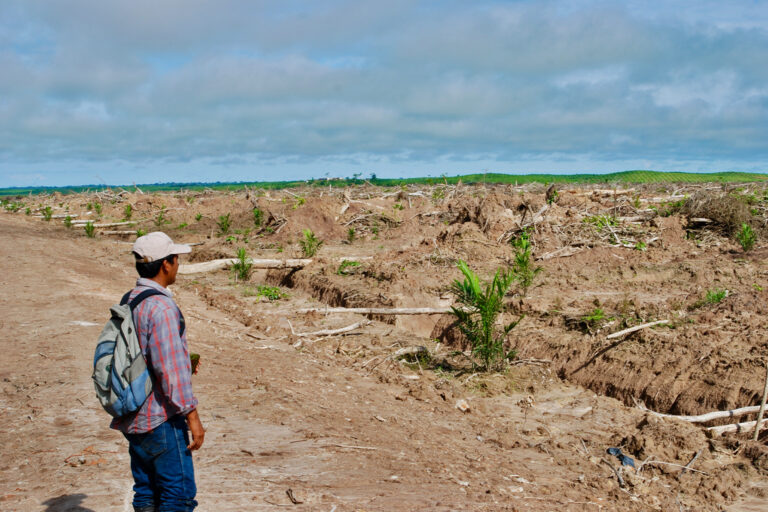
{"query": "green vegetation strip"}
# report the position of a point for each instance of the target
(627, 177)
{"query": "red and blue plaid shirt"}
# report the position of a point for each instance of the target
(165, 349)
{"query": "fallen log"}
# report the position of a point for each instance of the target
(209, 266)
(330, 332)
(123, 232)
(735, 427)
(634, 329)
(57, 216)
(379, 311)
(81, 224)
(703, 418)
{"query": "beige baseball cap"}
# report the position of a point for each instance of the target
(156, 246)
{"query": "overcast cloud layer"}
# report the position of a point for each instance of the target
(198, 90)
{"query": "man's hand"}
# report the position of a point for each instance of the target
(196, 429)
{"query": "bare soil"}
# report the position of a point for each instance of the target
(344, 425)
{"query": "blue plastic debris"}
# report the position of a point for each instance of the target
(624, 459)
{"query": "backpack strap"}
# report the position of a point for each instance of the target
(143, 295)
(148, 293)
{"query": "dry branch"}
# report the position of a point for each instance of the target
(81, 223)
(331, 332)
(123, 232)
(209, 266)
(703, 418)
(635, 328)
(736, 427)
(57, 216)
(563, 252)
(379, 311)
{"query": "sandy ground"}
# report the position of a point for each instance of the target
(337, 430)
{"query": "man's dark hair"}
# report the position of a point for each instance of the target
(150, 270)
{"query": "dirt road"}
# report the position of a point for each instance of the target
(279, 419)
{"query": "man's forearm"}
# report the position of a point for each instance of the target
(196, 429)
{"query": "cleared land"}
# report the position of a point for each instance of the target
(343, 423)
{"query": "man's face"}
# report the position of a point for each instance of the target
(173, 269)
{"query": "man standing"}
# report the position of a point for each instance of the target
(158, 433)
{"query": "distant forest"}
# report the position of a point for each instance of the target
(628, 177)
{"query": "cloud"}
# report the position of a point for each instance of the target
(220, 83)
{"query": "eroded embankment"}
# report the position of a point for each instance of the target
(710, 360)
(713, 360)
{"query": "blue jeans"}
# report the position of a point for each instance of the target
(162, 468)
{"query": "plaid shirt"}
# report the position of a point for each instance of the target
(157, 326)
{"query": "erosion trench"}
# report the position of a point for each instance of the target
(704, 361)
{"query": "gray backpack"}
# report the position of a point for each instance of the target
(120, 374)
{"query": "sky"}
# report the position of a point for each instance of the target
(255, 90)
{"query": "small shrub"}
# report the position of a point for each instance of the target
(641, 246)
(397, 206)
(182, 225)
(438, 194)
(127, 212)
(310, 244)
(716, 296)
(223, 224)
(28, 211)
(258, 217)
(140, 232)
(351, 235)
(553, 197)
(68, 221)
(712, 297)
(231, 239)
(97, 207)
(600, 222)
(746, 237)
(160, 219)
(757, 287)
(345, 265)
(670, 208)
(594, 320)
(270, 292)
(198, 216)
(90, 231)
(523, 270)
(482, 303)
(241, 269)
(299, 201)
(47, 213)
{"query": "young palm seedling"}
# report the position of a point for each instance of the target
(482, 303)
(310, 244)
(746, 237)
(223, 224)
(241, 269)
(522, 268)
(90, 230)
